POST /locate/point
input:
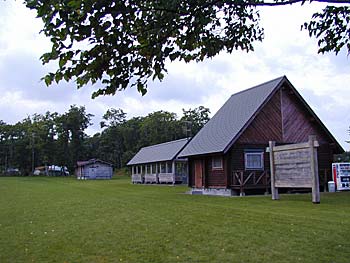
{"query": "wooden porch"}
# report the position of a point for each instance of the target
(247, 180)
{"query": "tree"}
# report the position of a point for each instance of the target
(45, 139)
(60, 139)
(195, 119)
(111, 139)
(159, 127)
(113, 117)
(41, 132)
(131, 134)
(70, 135)
(125, 43)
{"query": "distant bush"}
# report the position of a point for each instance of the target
(344, 157)
(125, 171)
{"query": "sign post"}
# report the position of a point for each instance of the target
(295, 165)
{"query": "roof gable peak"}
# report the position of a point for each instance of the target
(282, 78)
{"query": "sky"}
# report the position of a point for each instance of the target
(323, 80)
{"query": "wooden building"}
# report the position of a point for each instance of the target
(93, 169)
(159, 164)
(228, 155)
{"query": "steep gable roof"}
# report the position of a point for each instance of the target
(219, 134)
(160, 152)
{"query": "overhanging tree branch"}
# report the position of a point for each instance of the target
(130, 41)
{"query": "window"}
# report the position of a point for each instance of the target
(169, 167)
(254, 160)
(216, 162)
(180, 168)
(154, 168)
(147, 169)
(162, 167)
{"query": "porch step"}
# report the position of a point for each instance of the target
(213, 191)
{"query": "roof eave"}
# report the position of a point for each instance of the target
(202, 154)
(183, 147)
(162, 160)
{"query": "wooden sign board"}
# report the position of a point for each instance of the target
(294, 166)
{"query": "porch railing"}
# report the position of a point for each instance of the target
(137, 178)
(241, 180)
(151, 178)
(166, 178)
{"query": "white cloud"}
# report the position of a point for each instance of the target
(19, 29)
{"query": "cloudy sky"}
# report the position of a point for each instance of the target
(323, 80)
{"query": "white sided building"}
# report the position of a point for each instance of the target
(159, 164)
(93, 169)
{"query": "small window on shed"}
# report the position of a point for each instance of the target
(254, 160)
(216, 162)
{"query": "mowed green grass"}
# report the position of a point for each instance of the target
(66, 220)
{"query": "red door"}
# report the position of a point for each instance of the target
(198, 173)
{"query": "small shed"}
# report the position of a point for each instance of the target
(159, 163)
(94, 169)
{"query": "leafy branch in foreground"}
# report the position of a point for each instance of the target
(121, 44)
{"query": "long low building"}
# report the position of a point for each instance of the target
(159, 164)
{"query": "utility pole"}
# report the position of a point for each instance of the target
(187, 128)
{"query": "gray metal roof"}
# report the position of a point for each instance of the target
(160, 152)
(92, 161)
(230, 120)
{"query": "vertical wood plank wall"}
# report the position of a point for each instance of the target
(298, 123)
(266, 125)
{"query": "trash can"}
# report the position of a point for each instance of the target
(331, 186)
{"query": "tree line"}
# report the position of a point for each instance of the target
(61, 139)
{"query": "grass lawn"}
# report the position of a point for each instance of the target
(65, 220)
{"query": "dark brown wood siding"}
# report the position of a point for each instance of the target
(298, 123)
(228, 168)
(215, 177)
(237, 155)
(267, 125)
(324, 156)
(190, 172)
